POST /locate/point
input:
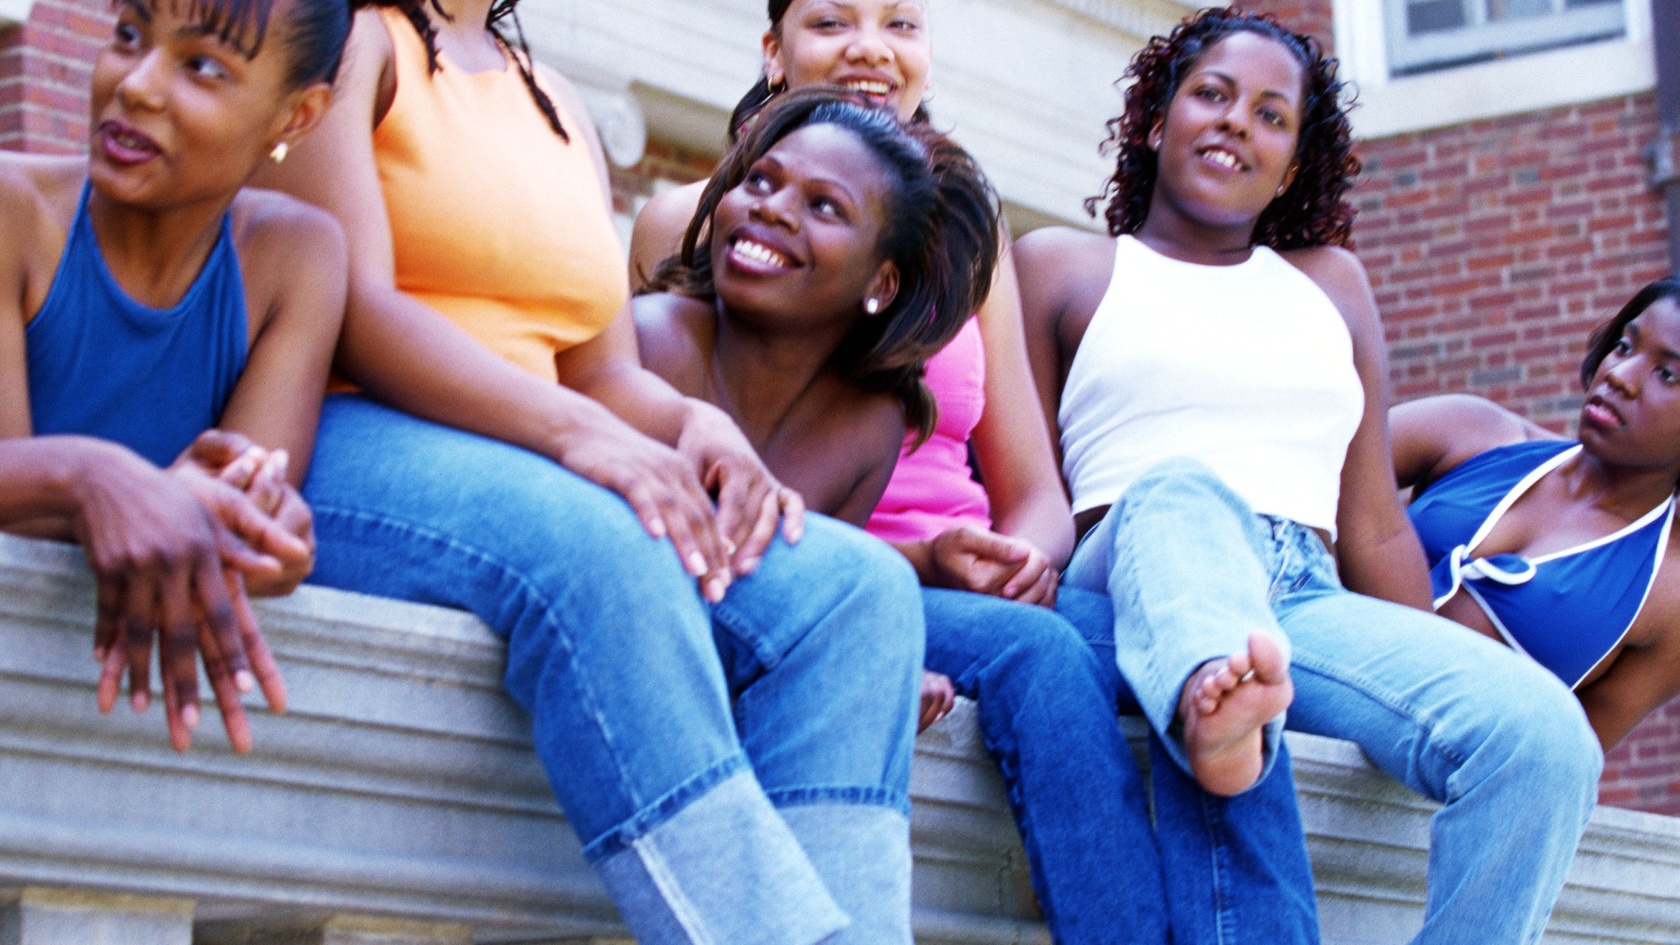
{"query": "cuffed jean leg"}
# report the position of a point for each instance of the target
(1048, 712)
(1184, 563)
(1500, 742)
(823, 647)
(609, 647)
(1236, 868)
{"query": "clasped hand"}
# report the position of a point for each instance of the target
(171, 553)
(975, 559)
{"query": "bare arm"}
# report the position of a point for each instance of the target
(1012, 442)
(1433, 435)
(659, 229)
(1376, 549)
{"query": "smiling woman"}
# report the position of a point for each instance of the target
(145, 297)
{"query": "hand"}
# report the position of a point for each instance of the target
(158, 558)
(750, 500)
(938, 696)
(231, 458)
(974, 559)
(664, 491)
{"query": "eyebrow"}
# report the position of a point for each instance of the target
(1264, 93)
(1667, 354)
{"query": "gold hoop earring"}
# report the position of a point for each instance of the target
(279, 153)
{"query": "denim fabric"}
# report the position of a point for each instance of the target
(1048, 692)
(1496, 739)
(675, 733)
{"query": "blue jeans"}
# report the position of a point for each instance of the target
(737, 772)
(1497, 740)
(1213, 871)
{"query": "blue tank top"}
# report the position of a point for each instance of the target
(102, 364)
(1568, 609)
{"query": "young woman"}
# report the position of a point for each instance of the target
(1563, 549)
(1216, 367)
(759, 324)
(726, 718)
(833, 252)
(148, 297)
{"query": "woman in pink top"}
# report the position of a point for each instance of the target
(988, 558)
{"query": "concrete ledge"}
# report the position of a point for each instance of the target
(402, 787)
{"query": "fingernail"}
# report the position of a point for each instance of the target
(244, 681)
(750, 565)
(189, 716)
(696, 563)
(99, 653)
(715, 588)
(140, 700)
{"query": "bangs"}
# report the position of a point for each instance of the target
(239, 24)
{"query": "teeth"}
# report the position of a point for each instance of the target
(758, 252)
(1223, 158)
(870, 87)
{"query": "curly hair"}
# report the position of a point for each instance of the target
(1314, 210)
(419, 14)
(940, 231)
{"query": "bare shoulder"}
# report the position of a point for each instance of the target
(1051, 248)
(1062, 269)
(1339, 273)
(1472, 419)
(282, 231)
(35, 190)
(660, 226)
(674, 335)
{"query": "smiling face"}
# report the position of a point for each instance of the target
(879, 48)
(1632, 412)
(797, 242)
(1226, 143)
(180, 114)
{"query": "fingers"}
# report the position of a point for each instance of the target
(139, 614)
(263, 665)
(109, 597)
(793, 515)
(752, 547)
(226, 691)
(1041, 592)
(215, 449)
(684, 513)
(214, 591)
(111, 671)
(267, 487)
(938, 696)
(178, 652)
(1029, 575)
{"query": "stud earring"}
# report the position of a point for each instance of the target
(872, 305)
(279, 153)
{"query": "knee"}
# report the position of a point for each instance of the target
(1545, 735)
(1181, 475)
(836, 565)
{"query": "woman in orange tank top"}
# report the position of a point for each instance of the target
(726, 719)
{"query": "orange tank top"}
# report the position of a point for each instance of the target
(496, 222)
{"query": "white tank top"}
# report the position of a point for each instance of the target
(1247, 368)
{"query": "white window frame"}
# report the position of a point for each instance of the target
(1391, 105)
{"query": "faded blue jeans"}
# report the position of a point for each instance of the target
(739, 772)
(1497, 740)
(1214, 871)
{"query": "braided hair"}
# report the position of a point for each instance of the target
(1313, 211)
(502, 12)
(940, 231)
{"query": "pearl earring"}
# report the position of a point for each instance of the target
(872, 305)
(279, 153)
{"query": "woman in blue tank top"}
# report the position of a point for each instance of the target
(146, 298)
(1563, 549)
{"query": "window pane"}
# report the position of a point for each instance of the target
(1431, 16)
(1572, 4)
(1504, 10)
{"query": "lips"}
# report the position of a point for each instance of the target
(125, 145)
(875, 88)
(753, 255)
(1222, 157)
(1601, 413)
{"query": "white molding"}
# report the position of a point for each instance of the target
(1525, 83)
(14, 11)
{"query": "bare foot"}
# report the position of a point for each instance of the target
(1223, 707)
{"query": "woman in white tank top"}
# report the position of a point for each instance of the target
(1215, 366)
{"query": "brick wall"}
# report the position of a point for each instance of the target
(45, 67)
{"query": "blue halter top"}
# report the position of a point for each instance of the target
(1569, 609)
(152, 379)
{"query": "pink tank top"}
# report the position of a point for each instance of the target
(932, 489)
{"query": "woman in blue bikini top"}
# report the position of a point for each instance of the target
(1563, 549)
